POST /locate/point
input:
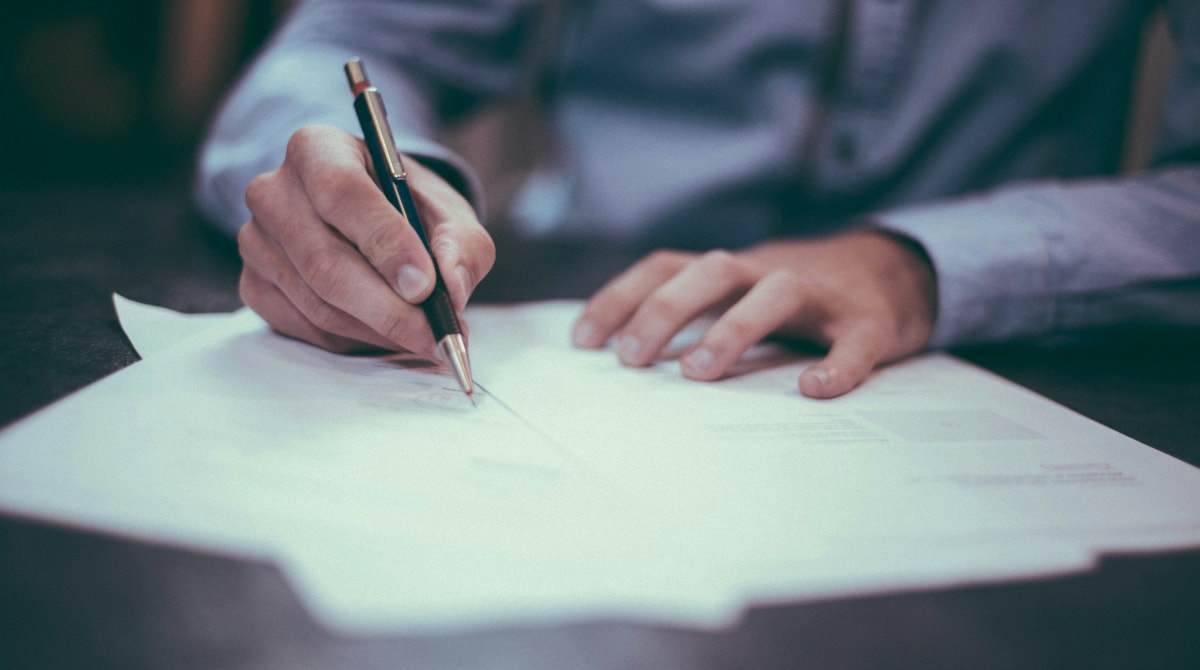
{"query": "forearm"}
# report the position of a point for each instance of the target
(298, 81)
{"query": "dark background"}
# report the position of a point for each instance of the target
(117, 92)
(105, 104)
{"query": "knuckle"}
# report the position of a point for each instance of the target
(302, 140)
(658, 257)
(260, 193)
(480, 244)
(248, 290)
(328, 188)
(720, 261)
(396, 327)
(471, 247)
(323, 270)
(246, 237)
(788, 282)
(737, 328)
(662, 308)
(668, 259)
(253, 245)
(378, 239)
(327, 318)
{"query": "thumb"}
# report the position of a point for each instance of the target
(850, 360)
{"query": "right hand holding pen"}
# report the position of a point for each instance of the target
(328, 260)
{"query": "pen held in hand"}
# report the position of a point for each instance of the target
(393, 180)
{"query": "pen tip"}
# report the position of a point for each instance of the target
(454, 349)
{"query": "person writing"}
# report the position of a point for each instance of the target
(874, 176)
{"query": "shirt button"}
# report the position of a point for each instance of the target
(845, 148)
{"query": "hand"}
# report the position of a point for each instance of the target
(327, 259)
(869, 297)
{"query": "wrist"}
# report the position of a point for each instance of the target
(903, 262)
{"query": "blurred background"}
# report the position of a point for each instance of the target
(118, 91)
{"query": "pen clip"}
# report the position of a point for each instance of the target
(372, 113)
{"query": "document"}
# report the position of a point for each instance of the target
(578, 488)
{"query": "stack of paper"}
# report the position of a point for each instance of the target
(578, 488)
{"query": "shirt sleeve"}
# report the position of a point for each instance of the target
(1032, 260)
(430, 59)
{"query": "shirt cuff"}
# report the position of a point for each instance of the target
(992, 264)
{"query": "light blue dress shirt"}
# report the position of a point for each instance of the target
(988, 131)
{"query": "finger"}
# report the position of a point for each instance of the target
(704, 283)
(772, 302)
(335, 273)
(327, 264)
(265, 270)
(613, 305)
(273, 288)
(464, 251)
(269, 302)
(852, 356)
(333, 171)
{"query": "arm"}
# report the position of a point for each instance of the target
(325, 259)
(1023, 261)
(1037, 259)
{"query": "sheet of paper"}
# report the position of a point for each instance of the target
(579, 488)
(931, 451)
(153, 329)
(932, 447)
(351, 472)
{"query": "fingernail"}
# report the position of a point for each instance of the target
(820, 376)
(628, 348)
(466, 280)
(411, 282)
(466, 283)
(583, 334)
(698, 361)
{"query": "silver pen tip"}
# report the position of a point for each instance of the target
(455, 350)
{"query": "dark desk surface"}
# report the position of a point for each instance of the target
(70, 598)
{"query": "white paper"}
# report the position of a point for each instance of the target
(153, 329)
(577, 487)
(929, 447)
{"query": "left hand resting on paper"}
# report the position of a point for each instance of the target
(866, 295)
